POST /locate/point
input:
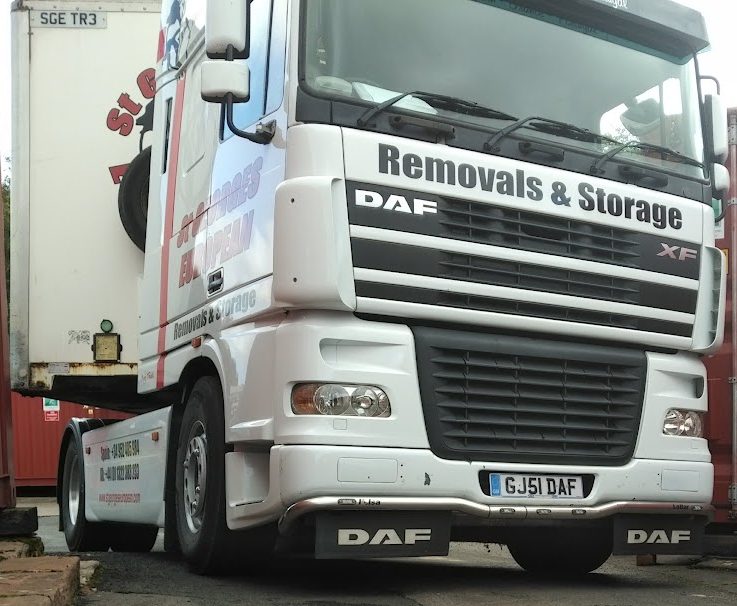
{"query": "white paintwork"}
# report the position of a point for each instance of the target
(300, 472)
(123, 482)
(312, 262)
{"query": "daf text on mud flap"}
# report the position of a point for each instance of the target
(383, 536)
(658, 536)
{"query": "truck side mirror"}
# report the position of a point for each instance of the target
(227, 29)
(719, 180)
(225, 81)
(716, 114)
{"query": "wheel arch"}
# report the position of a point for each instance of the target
(74, 430)
(202, 366)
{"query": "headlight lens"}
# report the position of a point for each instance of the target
(344, 400)
(686, 423)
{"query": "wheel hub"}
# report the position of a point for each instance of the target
(195, 477)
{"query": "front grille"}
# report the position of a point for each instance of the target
(502, 398)
(433, 262)
(444, 298)
(511, 228)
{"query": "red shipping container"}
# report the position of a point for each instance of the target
(722, 366)
(37, 436)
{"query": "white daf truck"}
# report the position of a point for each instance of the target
(414, 272)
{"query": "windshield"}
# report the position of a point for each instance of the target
(514, 60)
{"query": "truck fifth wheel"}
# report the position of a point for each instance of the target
(413, 273)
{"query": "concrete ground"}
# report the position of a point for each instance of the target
(472, 574)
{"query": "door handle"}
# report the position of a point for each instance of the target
(215, 281)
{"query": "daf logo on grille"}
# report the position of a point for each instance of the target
(679, 253)
(395, 203)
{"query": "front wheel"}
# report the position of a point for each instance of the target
(561, 552)
(206, 543)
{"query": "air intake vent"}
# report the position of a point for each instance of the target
(500, 398)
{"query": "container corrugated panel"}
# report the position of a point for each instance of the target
(36, 441)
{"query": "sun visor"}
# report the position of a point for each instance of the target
(665, 26)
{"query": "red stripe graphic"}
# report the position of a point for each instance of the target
(171, 187)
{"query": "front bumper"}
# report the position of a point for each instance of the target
(302, 479)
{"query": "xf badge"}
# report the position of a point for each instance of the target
(678, 253)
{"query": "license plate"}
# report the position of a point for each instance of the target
(521, 485)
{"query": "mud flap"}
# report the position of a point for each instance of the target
(381, 534)
(666, 535)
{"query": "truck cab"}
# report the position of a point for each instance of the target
(427, 272)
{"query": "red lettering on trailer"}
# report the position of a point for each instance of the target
(117, 172)
(129, 105)
(123, 123)
(147, 83)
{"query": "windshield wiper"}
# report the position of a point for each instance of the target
(666, 151)
(554, 127)
(439, 101)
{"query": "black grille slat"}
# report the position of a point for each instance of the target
(403, 259)
(485, 224)
(533, 397)
(526, 220)
(426, 296)
(532, 367)
(518, 275)
(534, 382)
(565, 440)
(529, 425)
(526, 409)
(503, 398)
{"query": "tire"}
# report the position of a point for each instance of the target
(133, 198)
(133, 538)
(206, 543)
(80, 534)
(562, 552)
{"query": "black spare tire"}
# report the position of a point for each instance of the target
(133, 198)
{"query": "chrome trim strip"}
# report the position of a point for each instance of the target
(490, 512)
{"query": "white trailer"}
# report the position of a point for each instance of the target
(393, 296)
(83, 78)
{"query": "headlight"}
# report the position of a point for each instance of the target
(344, 400)
(683, 423)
